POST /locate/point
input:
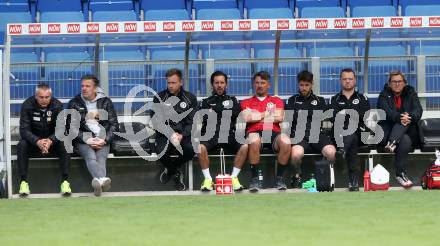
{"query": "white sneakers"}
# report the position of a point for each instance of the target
(101, 185)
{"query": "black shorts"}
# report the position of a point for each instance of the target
(231, 147)
(316, 147)
(265, 144)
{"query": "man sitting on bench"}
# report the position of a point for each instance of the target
(37, 130)
(218, 103)
(263, 114)
(306, 101)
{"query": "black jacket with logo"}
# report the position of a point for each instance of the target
(309, 104)
(36, 123)
(186, 101)
(111, 125)
(357, 101)
(219, 103)
(410, 104)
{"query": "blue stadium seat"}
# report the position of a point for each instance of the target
(162, 15)
(286, 70)
(276, 13)
(158, 71)
(123, 15)
(64, 78)
(251, 4)
(379, 69)
(12, 17)
(432, 66)
(376, 11)
(124, 76)
(146, 5)
(356, 3)
(169, 14)
(59, 5)
(300, 4)
(111, 5)
(422, 10)
(323, 12)
(24, 77)
(214, 4)
(14, 6)
(406, 3)
(239, 73)
(329, 83)
(218, 14)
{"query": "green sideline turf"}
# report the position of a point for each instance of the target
(374, 218)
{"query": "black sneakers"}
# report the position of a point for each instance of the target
(279, 183)
(296, 182)
(178, 182)
(166, 176)
(255, 185)
(353, 183)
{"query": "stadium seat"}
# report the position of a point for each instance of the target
(12, 17)
(174, 54)
(251, 4)
(24, 76)
(147, 5)
(214, 4)
(276, 13)
(405, 3)
(432, 65)
(322, 12)
(376, 11)
(286, 70)
(329, 83)
(163, 15)
(110, 5)
(357, 3)
(239, 73)
(218, 14)
(422, 10)
(300, 4)
(14, 6)
(59, 5)
(379, 69)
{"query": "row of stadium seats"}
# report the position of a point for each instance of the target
(123, 10)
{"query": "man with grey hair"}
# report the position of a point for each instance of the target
(37, 130)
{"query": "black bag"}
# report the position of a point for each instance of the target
(430, 133)
(324, 175)
(121, 146)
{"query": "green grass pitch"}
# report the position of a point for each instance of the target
(339, 218)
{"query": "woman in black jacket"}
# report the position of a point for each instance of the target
(96, 130)
(403, 112)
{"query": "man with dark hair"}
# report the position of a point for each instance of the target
(349, 98)
(263, 114)
(97, 124)
(308, 102)
(218, 103)
(37, 130)
(168, 105)
(403, 113)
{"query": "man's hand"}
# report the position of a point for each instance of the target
(176, 138)
(41, 145)
(405, 119)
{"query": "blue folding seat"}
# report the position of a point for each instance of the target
(111, 5)
(432, 65)
(59, 6)
(329, 81)
(286, 70)
(146, 5)
(13, 12)
(252, 4)
(164, 15)
(323, 12)
(239, 72)
(24, 76)
(404, 4)
(300, 4)
(378, 70)
(422, 10)
(158, 81)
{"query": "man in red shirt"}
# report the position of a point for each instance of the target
(263, 113)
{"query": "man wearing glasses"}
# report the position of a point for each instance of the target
(403, 112)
